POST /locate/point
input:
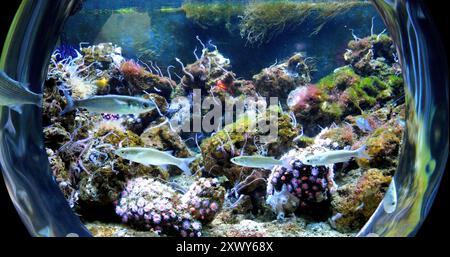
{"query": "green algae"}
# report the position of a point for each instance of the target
(263, 21)
(212, 14)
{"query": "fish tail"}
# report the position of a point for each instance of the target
(70, 103)
(184, 165)
(10, 125)
(37, 100)
(362, 153)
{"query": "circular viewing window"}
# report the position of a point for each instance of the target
(223, 118)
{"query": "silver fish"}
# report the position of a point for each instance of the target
(363, 124)
(118, 104)
(338, 156)
(256, 161)
(151, 156)
(13, 92)
(390, 198)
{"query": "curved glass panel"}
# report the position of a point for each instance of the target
(115, 76)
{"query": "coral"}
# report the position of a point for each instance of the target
(373, 56)
(299, 188)
(340, 137)
(138, 79)
(383, 146)
(105, 53)
(279, 80)
(78, 74)
(249, 193)
(245, 88)
(204, 73)
(63, 178)
(55, 136)
(161, 137)
(239, 138)
(102, 173)
(204, 199)
(353, 205)
(304, 99)
(340, 94)
(130, 69)
(149, 204)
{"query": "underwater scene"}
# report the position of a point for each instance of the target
(225, 118)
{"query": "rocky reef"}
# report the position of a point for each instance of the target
(279, 80)
(240, 138)
(358, 106)
(354, 204)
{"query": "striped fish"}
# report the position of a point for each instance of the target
(15, 93)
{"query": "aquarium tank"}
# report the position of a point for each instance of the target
(189, 118)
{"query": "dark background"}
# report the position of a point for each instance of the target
(435, 224)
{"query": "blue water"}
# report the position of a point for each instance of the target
(160, 37)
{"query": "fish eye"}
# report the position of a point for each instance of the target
(146, 105)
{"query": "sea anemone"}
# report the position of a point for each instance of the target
(131, 69)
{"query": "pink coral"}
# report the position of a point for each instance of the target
(303, 97)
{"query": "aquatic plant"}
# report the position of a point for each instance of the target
(129, 10)
(262, 21)
(212, 14)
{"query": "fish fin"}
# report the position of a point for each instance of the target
(120, 102)
(39, 100)
(169, 152)
(17, 108)
(362, 153)
(9, 126)
(184, 165)
(70, 103)
(165, 167)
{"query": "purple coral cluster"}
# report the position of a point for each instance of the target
(109, 116)
(148, 204)
(203, 199)
(311, 185)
